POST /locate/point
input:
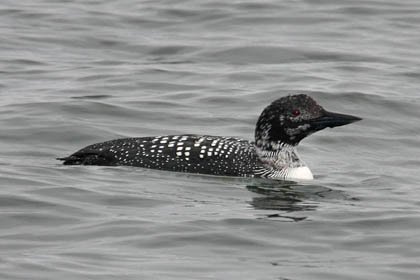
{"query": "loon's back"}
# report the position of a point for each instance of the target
(226, 156)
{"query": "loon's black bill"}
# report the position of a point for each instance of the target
(330, 119)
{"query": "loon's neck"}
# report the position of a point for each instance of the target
(278, 154)
(281, 160)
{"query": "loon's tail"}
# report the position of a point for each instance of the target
(71, 160)
(86, 159)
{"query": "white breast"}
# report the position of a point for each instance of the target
(299, 173)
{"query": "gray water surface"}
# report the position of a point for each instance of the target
(73, 73)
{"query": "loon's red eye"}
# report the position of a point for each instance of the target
(295, 112)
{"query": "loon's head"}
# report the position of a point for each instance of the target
(290, 119)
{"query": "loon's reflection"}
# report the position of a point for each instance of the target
(290, 196)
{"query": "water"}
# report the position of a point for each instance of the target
(79, 72)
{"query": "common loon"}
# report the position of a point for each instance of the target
(279, 129)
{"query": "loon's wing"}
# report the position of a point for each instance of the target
(185, 153)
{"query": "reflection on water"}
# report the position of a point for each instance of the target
(290, 196)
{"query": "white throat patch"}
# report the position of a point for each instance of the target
(299, 173)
